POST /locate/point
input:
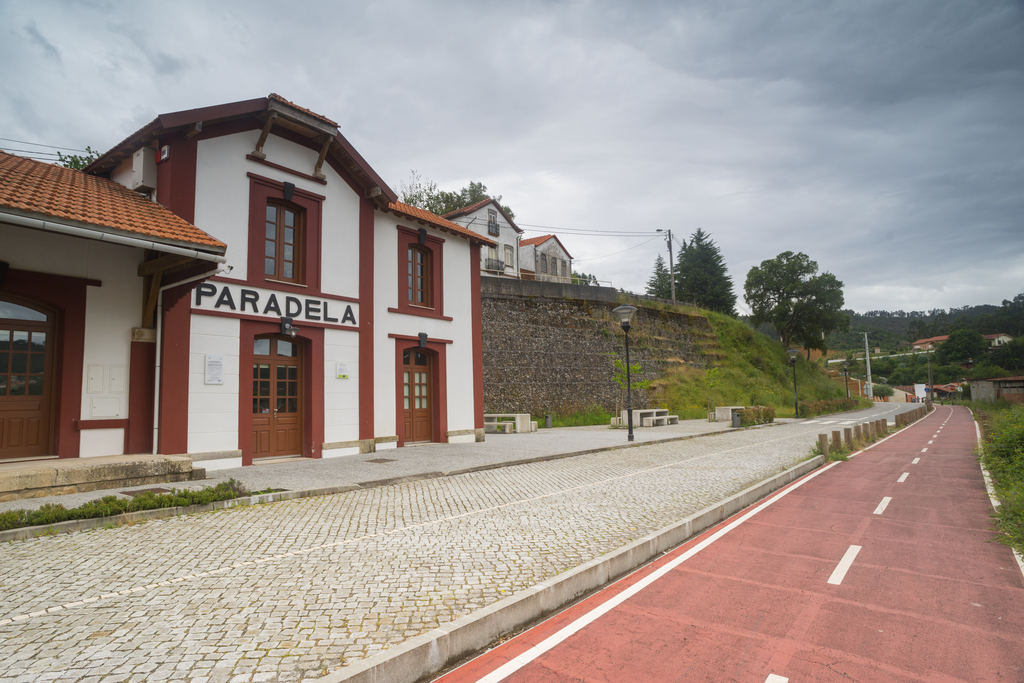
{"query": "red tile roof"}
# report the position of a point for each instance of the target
(433, 219)
(275, 96)
(997, 335)
(38, 188)
(541, 240)
(931, 340)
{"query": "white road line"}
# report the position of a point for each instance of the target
(903, 477)
(915, 461)
(844, 565)
(773, 678)
(931, 442)
(881, 506)
(924, 450)
(553, 640)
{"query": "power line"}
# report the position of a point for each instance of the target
(594, 258)
(39, 144)
(30, 151)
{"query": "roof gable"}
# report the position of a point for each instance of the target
(34, 187)
(289, 115)
(537, 241)
(432, 219)
(472, 208)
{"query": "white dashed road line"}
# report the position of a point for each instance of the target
(881, 506)
(903, 477)
(844, 565)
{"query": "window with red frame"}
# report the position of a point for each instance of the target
(419, 290)
(282, 251)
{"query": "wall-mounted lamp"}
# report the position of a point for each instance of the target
(288, 328)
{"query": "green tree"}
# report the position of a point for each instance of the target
(1010, 355)
(882, 390)
(701, 275)
(78, 161)
(963, 344)
(788, 294)
(660, 284)
(424, 194)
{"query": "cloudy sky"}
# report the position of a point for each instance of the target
(883, 139)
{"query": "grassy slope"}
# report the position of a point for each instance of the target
(753, 370)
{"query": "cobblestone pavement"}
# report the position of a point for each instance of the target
(291, 590)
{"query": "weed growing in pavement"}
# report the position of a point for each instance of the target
(109, 506)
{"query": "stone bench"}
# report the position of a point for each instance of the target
(646, 417)
(724, 413)
(508, 423)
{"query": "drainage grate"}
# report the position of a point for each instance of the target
(141, 491)
(380, 460)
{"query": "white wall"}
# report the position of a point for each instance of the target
(111, 312)
(457, 305)
(341, 396)
(213, 408)
(222, 203)
(477, 222)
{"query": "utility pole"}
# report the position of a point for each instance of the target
(671, 267)
(867, 361)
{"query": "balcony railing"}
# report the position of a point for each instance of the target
(494, 264)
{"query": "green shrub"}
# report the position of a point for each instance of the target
(826, 406)
(1004, 459)
(109, 506)
(755, 415)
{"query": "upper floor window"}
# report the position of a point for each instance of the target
(283, 243)
(492, 222)
(543, 263)
(509, 261)
(563, 268)
(419, 277)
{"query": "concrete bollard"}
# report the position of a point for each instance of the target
(885, 425)
(848, 437)
(857, 435)
(837, 443)
(823, 444)
(870, 430)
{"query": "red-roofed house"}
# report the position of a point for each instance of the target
(329, 336)
(487, 218)
(547, 258)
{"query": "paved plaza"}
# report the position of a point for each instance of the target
(293, 590)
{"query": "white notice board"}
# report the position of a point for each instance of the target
(214, 369)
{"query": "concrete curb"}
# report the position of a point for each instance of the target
(435, 650)
(23, 533)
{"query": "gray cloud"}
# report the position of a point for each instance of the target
(38, 39)
(883, 139)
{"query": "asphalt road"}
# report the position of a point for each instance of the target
(877, 569)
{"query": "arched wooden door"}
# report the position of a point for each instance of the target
(26, 379)
(417, 396)
(276, 397)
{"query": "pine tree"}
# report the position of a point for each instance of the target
(701, 275)
(660, 285)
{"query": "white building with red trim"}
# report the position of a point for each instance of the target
(545, 258)
(342, 321)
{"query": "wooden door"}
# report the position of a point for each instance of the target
(276, 398)
(417, 396)
(26, 380)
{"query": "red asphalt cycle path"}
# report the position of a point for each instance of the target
(928, 597)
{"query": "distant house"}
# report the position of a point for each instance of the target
(1010, 389)
(547, 258)
(487, 218)
(994, 340)
(998, 339)
(929, 343)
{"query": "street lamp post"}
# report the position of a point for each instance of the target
(625, 313)
(846, 373)
(793, 353)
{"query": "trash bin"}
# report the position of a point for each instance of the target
(735, 418)
(547, 422)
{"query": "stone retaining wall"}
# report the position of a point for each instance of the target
(556, 355)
